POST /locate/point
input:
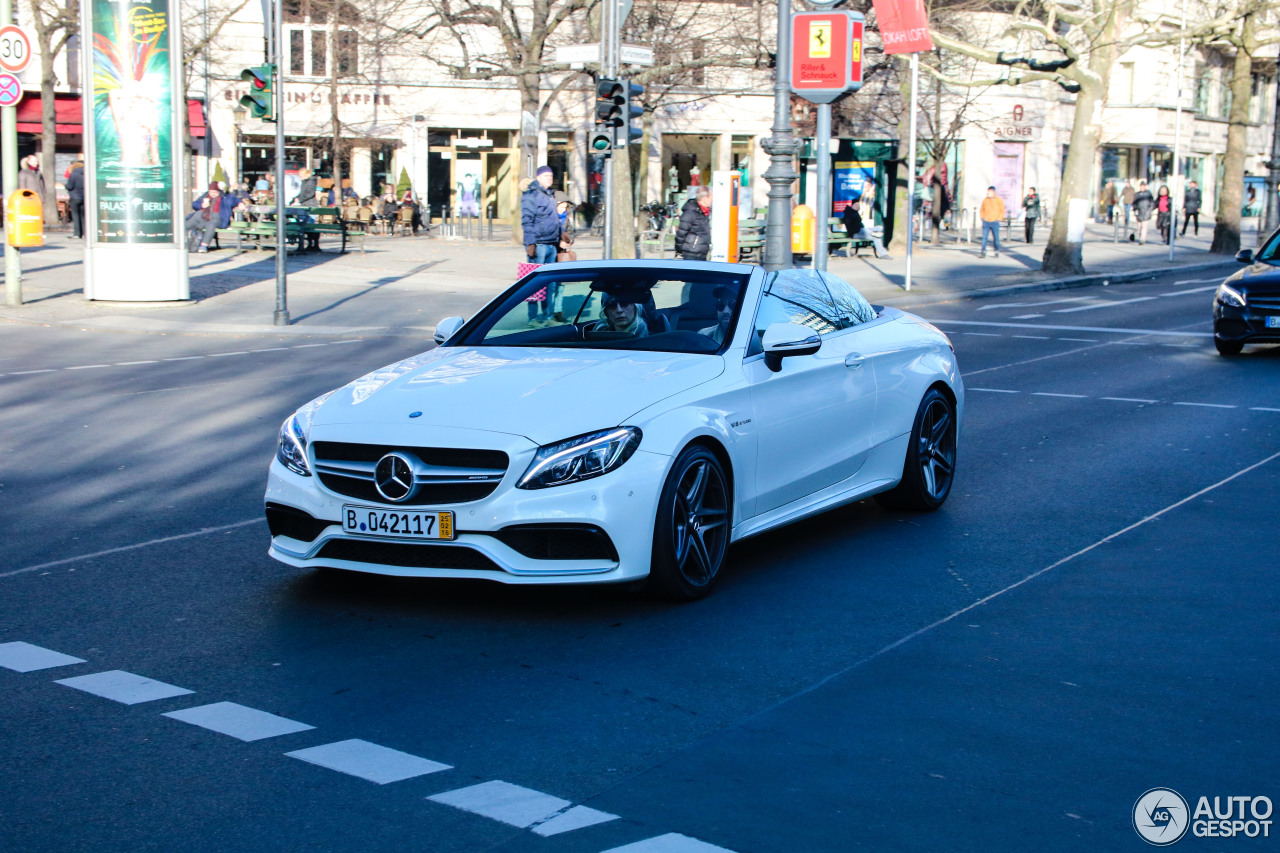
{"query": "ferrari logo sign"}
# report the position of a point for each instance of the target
(820, 40)
(826, 55)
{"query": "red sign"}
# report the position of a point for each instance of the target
(819, 55)
(904, 26)
(855, 56)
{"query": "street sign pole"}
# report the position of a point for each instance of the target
(9, 154)
(281, 316)
(609, 63)
(822, 150)
(781, 148)
(911, 166)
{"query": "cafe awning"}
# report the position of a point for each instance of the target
(66, 114)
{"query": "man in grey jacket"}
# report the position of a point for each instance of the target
(1191, 202)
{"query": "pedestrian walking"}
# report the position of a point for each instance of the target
(940, 203)
(75, 196)
(31, 178)
(539, 219)
(1143, 204)
(1109, 198)
(1126, 198)
(991, 212)
(1031, 209)
(1164, 212)
(1191, 202)
(693, 234)
(212, 211)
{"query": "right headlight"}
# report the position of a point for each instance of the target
(580, 458)
(291, 449)
(1228, 295)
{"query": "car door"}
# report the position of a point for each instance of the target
(814, 414)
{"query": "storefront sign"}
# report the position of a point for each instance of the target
(904, 26)
(826, 60)
(132, 119)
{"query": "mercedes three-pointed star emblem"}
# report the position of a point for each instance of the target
(393, 477)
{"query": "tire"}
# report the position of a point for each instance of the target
(930, 466)
(691, 529)
(1228, 347)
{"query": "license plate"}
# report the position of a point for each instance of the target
(405, 524)
(1273, 322)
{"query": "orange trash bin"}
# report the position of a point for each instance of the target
(804, 235)
(24, 219)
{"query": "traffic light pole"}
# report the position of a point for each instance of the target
(782, 147)
(281, 316)
(9, 166)
(609, 44)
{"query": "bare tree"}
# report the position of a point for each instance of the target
(55, 25)
(201, 42)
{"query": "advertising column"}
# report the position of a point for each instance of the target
(134, 201)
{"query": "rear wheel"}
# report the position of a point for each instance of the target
(691, 530)
(1228, 347)
(930, 465)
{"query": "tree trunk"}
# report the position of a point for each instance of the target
(1064, 254)
(1226, 227)
(642, 178)
(623, 204)
(903, 186)
(335, 147)
(48, 128)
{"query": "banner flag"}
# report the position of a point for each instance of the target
(904, 26)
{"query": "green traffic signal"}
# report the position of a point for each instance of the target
(259, 102)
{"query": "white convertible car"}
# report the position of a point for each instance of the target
(619, 421)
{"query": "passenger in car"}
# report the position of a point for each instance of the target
(621, 316)
(725, 299)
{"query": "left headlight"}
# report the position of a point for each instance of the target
(294, 433)
(580, 458)
(1228, 295)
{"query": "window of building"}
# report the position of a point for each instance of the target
(309, 31)
(1224, 93)
(698, 76)
(1200, 94)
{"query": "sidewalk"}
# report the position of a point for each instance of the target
(404, 285)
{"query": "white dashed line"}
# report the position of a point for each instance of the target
(1129, 400)
(1051, 394)
(85, 366)
(1080, 340)
(378, 764)
(25, 657)
(1191, 290)
(184, 358)
(238, 721)
(270, 349)
(1103, 305)
(1042, 327)
(1207, 405)
(983, 334)
(131, 363)
(1131, 343)
(123, 687)
(221, 354)
(1195, 281)
(1026, 316)
(577, 817)
(1033, 337)
(504, 802)
(1262, 409)
(29, 372)
(304, 346)
(355, 341)
(672, 842)
(994, 390)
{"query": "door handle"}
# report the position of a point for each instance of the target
(854, 360)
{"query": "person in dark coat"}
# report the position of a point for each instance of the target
(212, 211)
(539, 218)
(854, 227)
(306, 196)
(939, 204)
(1191, 202)
(1031, 205)
(1164, 213)
(693, 235)
(1143, 205)
(75, 194)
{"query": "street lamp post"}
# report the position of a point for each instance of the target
(781, 147)
(1272, 210)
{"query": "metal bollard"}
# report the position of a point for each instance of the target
(490, 222)
(1115, 231)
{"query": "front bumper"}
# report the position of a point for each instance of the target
(621, 505)
(1245, 325)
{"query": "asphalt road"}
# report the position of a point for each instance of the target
(1092, 614)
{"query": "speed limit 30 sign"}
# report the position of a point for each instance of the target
(15, 48)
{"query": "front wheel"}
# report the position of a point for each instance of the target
(930, 465)
(1228, 347)
(691, 530)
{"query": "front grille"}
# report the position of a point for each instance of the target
(408, 556)
(1267, 303)
(558, 541)
(1229, 327)
(288, 521)
(442, 475)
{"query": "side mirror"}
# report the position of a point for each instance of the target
(1245, 256)
(787, 339)
(447, 328)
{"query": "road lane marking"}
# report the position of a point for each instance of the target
(983, 334)
(25, 657)
(994, 390)
(1042, 328)
(1035, 304)
(29, 372)
(85, 366)
(378, 764)
(1051, 394)
(1129, 400)
(238, 721)
(1262, 409)
(578, 817)
(1026, 317)
(1080, 340)
(672, 842)
(1033, 337)
(1103, 305)
(124, 687)
(204, 531)
(270, 349)
(131, 363)
(1196, 281)
(1190, 290)
(221, 354)
(1207, 405)
(840, 673)
(184, 358)
(305, 346)
(504, 802)
(176, 358)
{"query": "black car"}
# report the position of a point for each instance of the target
(1246, 308)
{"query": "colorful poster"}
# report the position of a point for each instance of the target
(133, 122)
(904, 26)
(467, 175)
(852, 181)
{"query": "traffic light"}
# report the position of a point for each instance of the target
(634, 111)
(259, 102)
(611, 99)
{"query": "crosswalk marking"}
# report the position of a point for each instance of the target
(378, 764)
(124, 687)
(25, 657)
(238, 721)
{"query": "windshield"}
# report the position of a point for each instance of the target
(1270, 251)
(648, 309)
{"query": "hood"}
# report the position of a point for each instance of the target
(542, 394)
(1257, 279)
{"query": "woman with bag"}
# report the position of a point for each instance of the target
(693, 236)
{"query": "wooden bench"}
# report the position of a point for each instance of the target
(659, 242)
(750, 238)
(837, 237)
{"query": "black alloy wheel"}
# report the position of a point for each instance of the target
(691, 531)
(930, 466)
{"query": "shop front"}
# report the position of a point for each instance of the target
(471, 174)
